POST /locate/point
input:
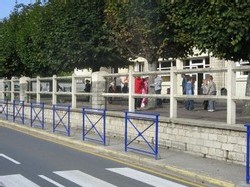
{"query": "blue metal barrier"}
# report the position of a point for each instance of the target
(37, 115)
(153, 119)
(90, 125)
(247, 125)
(4, 108)
(18, 111)
(61, 118)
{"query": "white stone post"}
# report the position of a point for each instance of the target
(231, 87)
(38, 89)
(12, 95)
(98, 87)
(23, 88)
(54, 90)
(173, 91)
(73, 91)
(131, 100)
(179, 65)
(2, 89)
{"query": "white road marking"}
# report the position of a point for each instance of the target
(51, 181)
(16, 181)
(144, 177)
(83, 179)
(10, 159)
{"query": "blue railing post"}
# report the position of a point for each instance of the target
(126, 131)
(247, 125)
(156, 135)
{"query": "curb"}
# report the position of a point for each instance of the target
(129, 159)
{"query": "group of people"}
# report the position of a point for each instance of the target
(117, 85)
(141, 86)
(208, 88)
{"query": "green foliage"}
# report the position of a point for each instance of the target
(221, 27)
(57, 37)
(146, 28)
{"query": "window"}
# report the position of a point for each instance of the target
(166, 65)
(244, 63)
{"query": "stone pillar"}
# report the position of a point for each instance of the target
(73, 91)
(131, 99)
(219, 77)
(179, 65)
(98, 87)
(231, 89)
(54, 90)
(173, 91)
(2, 88)
(23, 88)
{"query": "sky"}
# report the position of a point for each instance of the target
(7, 6)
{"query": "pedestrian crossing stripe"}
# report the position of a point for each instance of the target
(83, 179)
(10, 159)
(16, 180)
(144, 177)
(86, 180)
(51, 181)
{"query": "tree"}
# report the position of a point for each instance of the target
(58, 37)
(10, 62)
(221, 27)
(146, 29)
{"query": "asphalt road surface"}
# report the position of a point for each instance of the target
(27, 161)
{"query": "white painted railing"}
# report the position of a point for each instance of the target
(35, 88)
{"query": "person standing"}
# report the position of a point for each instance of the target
(157, 87)
(125, 85)
(118, 87)
(183, 84)
(144, 101)
(138, 90)
(111, 89)
(204, 92)
(189, 104)
(87, 88)
(211, 90)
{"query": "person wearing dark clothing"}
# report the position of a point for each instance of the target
(183, 84)
(87, 88)
(189, 104)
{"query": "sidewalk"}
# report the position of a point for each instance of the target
(204, 171)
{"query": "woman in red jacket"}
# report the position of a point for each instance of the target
(138, 90)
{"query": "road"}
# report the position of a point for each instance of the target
(29, 161)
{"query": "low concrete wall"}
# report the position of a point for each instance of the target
(203, 138)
